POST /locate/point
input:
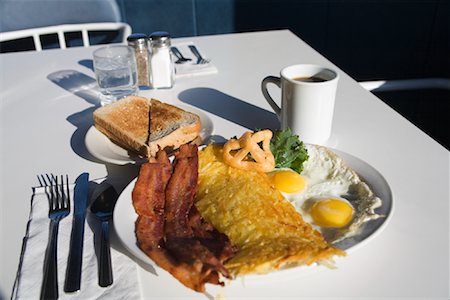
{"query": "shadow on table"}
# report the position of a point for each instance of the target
(86, 88)
(78, 84)
(88, 63)
(230, 108)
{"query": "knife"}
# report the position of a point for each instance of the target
(74, 264)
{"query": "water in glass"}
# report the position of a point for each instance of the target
(115, 69)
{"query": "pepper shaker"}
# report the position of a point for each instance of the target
(161, 64)
(139, 42)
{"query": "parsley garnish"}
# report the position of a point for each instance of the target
(288, 150)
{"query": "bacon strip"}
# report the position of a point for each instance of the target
(149, 198)
(180, 192)
(187, 274)
(218, 243)
(169, 228)
(149, 201)
(180, 239)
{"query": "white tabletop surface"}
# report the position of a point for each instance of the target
(47, 100)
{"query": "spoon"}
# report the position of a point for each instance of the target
(179, 55)
(102, 208)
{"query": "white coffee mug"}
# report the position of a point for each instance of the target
(308, 94)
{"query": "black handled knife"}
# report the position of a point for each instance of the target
(75, 261)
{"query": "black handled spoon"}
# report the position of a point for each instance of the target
(102, 208)
(181, 59)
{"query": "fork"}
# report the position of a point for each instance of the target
(59, 208)
(200, 59)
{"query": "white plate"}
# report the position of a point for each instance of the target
(101, 147)
(125, 216)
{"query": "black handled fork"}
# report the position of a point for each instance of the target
(59, 208)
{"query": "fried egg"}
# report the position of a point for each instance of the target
(328, 194)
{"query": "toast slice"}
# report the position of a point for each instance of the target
(126, 123)
(145, 126)
(170, 127)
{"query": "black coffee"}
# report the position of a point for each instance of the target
(310, 79)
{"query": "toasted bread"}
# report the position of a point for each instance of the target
(170, 127)
(145, 126)
(126, 123)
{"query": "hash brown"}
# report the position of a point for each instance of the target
(268, 231)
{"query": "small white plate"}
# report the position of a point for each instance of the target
(125, 215)
(101, 147)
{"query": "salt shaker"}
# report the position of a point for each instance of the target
(139, 42)
(161, 64)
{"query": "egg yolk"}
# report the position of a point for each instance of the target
(331, 213)
(288, 181)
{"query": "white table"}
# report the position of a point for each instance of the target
(43, 125)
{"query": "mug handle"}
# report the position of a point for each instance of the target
(277, 82)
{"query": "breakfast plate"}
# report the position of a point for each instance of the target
(102, 148)
(125, 215)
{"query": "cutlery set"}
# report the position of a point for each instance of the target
(181, 59)
(57, 191)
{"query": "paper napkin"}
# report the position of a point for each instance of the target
(191, 68)
(30, 272)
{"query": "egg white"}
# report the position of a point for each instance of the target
(327, 176)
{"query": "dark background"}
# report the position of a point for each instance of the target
(368, 39)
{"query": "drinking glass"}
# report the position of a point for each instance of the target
(115, 70)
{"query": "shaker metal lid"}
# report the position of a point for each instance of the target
(137, 39)
(160, 39)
